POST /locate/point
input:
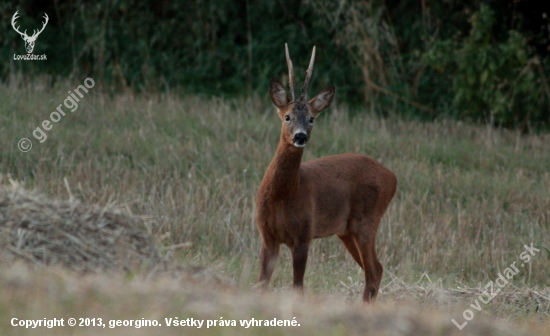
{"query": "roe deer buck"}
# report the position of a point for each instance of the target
(344, 195)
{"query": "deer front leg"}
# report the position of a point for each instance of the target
(268, 260)
(299, 261)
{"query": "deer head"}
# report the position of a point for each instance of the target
(298, 115)
(29, 40)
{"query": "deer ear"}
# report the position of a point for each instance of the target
(278, 94)
(322, 100)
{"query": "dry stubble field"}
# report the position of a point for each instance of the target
(469, 199)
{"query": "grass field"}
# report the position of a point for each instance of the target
(469, 198)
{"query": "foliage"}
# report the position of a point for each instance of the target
(495, 81)
(409, 57)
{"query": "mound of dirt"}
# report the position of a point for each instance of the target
(69, 233)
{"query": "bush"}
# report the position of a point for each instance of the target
(408, 57)
(490, 81)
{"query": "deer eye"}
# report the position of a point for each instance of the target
(311, 120)
(287, 117)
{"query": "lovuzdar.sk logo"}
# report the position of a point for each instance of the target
(29, 40)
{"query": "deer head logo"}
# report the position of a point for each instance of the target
(29, 40)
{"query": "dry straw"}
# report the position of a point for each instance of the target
(72, 234)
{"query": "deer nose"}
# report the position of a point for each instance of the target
(300, 139)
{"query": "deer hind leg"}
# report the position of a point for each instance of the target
(268, 259)
(350, 245)
(299, 261)
(373, 268)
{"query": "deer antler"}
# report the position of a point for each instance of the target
(13, 19)
(290, 74)
(43, 25)
(308, 77)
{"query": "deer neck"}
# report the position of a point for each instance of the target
(283, 174)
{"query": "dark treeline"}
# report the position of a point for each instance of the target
(478, 60)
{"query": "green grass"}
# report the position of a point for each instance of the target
(469, 197)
